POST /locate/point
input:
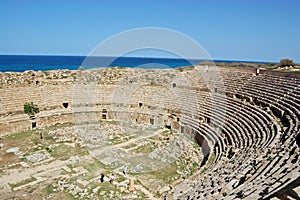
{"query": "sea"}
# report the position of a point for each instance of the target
(21, 63)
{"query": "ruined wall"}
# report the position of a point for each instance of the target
(280, 73)
(58, 96)
(62, 99)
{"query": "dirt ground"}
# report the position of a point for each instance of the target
(61, 166)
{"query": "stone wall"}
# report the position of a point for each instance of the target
(234, 131)
(280, 73)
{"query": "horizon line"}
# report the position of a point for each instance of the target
(150, 57)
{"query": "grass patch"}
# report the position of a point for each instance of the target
(144, 149)
(195, 164)
(106, 186)
(59, 125)
(203, 170)
(129, 146)
(117, 140)
(64, 152)
(166, 132)
(24, 182)
(95, 165)
(35, 132)
(155, 137)
(50, 189)
(211, 158)
(94, 169)
(21, 135)
(166, 175)
(63, 195)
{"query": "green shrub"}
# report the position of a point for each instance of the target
(286, 63)
(30, 108)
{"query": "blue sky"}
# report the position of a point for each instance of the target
(260, 30)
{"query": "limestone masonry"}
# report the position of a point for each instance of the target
(245, 123)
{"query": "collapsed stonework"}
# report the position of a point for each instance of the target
(245, 122)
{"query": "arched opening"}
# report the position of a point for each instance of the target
(65, 104)
(151, 121)
(33, 125)
(104, 113)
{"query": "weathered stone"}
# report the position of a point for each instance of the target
(13, 150)
(95, 190)
(164, 189)
(131, 185)
(82, 183)
(36, 157)
(67, 169)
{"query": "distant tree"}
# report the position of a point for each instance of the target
(286, 63)
(30, 108)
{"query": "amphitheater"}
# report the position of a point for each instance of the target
(188, 133)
